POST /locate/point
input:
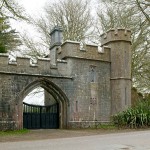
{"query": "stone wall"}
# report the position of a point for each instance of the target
(14, 88)
(88, 84)
(90, 100)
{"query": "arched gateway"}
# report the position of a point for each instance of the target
(53, 116)
(88, 85)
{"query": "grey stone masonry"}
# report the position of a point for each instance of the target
(89, 85)
(119, 41)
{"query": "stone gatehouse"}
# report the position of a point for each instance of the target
(88, 83)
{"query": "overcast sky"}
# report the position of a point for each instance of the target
(33, 8)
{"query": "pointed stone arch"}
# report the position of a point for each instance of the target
(51, 88)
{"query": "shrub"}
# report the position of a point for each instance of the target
(136, 117)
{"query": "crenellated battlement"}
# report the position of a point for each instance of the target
(72, 49)
(24, 64)
(115, 35)
(69, 49)
(26, 61)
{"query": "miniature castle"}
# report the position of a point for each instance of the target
(90, 84)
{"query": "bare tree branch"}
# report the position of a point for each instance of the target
(127, 15)
(11, 9)
(142, 10)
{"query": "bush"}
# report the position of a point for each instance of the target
(136, 117)
(2, 49)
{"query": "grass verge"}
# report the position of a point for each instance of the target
(15, 132)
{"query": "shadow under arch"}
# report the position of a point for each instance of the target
(51, 88)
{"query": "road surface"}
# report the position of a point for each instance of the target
(119, 141)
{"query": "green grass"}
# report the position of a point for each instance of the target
(15, 132)
(106, 126)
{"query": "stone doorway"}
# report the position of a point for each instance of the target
(53, 90)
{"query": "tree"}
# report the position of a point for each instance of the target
(33, 48)
(11, 9)
(72, 15)
(126, 14)
(9, 38)
(144, 8)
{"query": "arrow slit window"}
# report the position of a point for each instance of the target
(92, 73)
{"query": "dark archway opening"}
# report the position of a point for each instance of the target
(40, 110)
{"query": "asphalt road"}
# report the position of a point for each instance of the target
(120, 141)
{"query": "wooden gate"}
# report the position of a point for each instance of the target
(40, 117)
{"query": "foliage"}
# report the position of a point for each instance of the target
(9, 39)
(136, 117)
(127, 14)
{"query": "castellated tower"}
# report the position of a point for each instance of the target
(56, 41)
(119, 41)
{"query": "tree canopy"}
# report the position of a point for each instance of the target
(9, 38)
(126, 14)
(11, 9)
(72, 15)
(75, 18)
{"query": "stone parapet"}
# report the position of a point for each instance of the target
(24, 65)
(70, 49)
(116, 35)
